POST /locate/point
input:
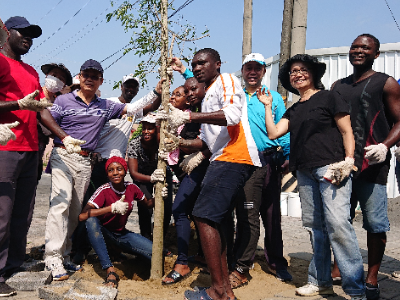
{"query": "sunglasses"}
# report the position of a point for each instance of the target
(93, 77)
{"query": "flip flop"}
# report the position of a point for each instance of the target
(236, 281)
(197, 295)
(175, 276)
(113, 281)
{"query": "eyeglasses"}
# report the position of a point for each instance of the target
(298, 72)
(93, 77)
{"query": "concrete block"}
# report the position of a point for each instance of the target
(56, 290)
(29, 281)
(34, 265)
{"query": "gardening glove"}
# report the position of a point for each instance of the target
(120, 207)
(164, 192)
(171, 142)
(29, 103)
(397, 154)
(191, 161)
(177, 117)
(72, 145)
(339, 171)
(163, 154)
(6, 133)
(376, 153)
(158, 175)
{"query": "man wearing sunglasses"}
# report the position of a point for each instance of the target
(83, 115)
(19, 156)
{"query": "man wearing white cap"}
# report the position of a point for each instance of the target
(114, 135)
(261, 193)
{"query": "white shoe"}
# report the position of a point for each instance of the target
(312, 290)
(396, 274)
(58, 271)
(359, 297)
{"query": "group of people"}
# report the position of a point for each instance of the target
(227, 145)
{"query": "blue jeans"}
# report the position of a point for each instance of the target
(326, 215)
(126, 240)
(182, 207)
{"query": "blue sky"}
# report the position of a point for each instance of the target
(330, 24)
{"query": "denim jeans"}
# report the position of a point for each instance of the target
(326, 215)
(126, 240)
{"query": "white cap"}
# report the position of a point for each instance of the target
(254, 57)
(129, 77)
(150, 118)
(76, 80)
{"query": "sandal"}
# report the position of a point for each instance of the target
(175, 276)
(113, 281)
(236, 280)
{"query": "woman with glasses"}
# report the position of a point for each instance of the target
(322, 157)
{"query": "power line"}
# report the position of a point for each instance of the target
(186, 3)
(49, 11)
(387, 4)
(61, 26)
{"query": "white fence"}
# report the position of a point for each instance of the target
(338, 66)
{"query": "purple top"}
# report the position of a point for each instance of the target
(82, 121)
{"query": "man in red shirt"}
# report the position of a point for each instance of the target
(18, 158)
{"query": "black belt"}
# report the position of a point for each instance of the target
(271, 150)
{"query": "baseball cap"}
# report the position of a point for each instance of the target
(130, 77)
(21, 22)
(48, 67)
(92, 64)
(254, 57)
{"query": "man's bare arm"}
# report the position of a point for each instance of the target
(6, 106)
(215, 117)
(391, 99)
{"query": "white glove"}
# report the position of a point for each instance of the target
(339, 171)
(171, 142)
(29, 103)
(72, 145)
(177, 117)
(397, 154)
(158, 175)
(6, 133)
(164, 192)
(163, 154)
(376, 154)
(170, 71)
(191, 161)
(120, 207)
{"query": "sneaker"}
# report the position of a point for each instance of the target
(72, 267)
(6, 290)
(359, 297)
(396, 274)
(372, 291)
(58, 272)
(312, 290)
(283, 275)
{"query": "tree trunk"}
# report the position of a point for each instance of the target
(157, 262)
(247, 27)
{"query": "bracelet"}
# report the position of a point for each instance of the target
(155, 92)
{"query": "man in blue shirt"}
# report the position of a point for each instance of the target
(261, 194)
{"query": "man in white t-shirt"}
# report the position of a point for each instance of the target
(114, 135)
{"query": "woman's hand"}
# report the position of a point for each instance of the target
(265, 98)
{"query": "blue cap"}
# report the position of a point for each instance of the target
(92, 64)
(20, 22)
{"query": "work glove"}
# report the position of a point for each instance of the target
(397, 154)
(339, 171)
(171, 142)
(164, 192)
(29, 103)
(120, 207)
(163, 154)
(72, 145)
(158, 175)
(191, 161)
(6, 133)
(175, 117)
(376, 154)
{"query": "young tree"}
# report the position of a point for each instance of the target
(146, 19)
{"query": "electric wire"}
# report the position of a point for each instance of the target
(186, 3)
(49, 11)
(391, 12)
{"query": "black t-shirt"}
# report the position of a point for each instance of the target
(315, 140)
(370, 121)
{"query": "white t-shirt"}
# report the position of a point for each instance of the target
(116, 132)
(232, 143)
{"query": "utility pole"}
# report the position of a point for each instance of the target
(286, 38)
(157, 263)
(299, 30)
(247, 27)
